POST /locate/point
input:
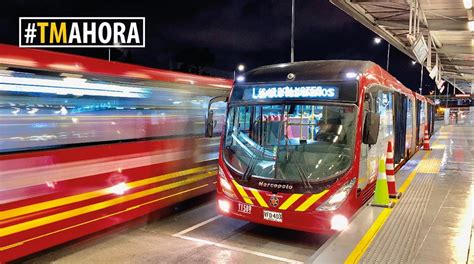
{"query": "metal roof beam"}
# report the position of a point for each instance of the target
(361, 2)
(453, 61)
(356, 13)
(461, 63)
(447, 25)
(456, 50)
(433, 24)
(458, 72)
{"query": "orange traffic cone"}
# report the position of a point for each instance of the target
(426, 140)
(381, 197)
(390, 171)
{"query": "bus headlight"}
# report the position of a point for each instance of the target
(337, 198)
(226, 187)
(339, 222)
(224, 206)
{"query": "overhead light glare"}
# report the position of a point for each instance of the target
(470, 25)
(240, 78)
(351, 75)
(468, 4)
(70, 86)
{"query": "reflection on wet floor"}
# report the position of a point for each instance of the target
(192, 232)
(222, 240)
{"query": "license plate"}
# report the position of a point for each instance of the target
(245, 208)
(272, 216)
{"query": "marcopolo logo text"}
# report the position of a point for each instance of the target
(275, 185)
(84, 32)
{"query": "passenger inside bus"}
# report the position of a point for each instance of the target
(330, 130)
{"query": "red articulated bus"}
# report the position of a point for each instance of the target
(86, 144)
(301, 141)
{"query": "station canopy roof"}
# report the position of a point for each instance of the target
(449, 41)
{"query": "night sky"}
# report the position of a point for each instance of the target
(252, 32)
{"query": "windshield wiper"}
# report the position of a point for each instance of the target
(303, 176)
(249, 169)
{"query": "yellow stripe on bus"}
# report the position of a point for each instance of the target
(291, 200)
(98, 206)
(310, 201)
(89, 195)
(259, 198)
(100, 218)
(242, 192)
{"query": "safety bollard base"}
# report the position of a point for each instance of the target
(395, 196)
(391, 204)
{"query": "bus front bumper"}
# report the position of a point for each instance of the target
(308, 221)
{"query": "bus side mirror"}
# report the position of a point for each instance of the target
(371, 128)
(210, 123)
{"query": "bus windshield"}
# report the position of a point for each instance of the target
(290, 142)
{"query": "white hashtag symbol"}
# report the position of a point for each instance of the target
(30, 32)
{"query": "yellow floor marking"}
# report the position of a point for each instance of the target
(89, 195)
(97, 219)
(364, 243)
(438, 146)
(367, 239)
(429, 166)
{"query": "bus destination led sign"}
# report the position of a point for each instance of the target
(292, 92)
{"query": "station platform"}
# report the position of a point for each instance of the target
(431, 223)
(433, 220)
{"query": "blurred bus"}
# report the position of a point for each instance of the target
(86, 144)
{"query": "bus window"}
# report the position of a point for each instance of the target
(384, 106)
(290, 142)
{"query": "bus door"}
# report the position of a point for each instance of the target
(409, 128)
(400, 125)
(364, 149)
(417, 121)
(381, 103)
(422, 122)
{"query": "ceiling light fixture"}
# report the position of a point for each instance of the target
(470, 25)
(467, 4)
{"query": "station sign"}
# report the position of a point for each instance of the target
(420, 49)
(337, 91)
(309, 91)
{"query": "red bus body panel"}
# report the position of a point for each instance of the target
(48, 197)
(312, 220)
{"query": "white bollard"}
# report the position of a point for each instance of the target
(446, 116)
(470, 116)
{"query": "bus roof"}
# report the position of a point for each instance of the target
(326, 70)
(15, 57)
